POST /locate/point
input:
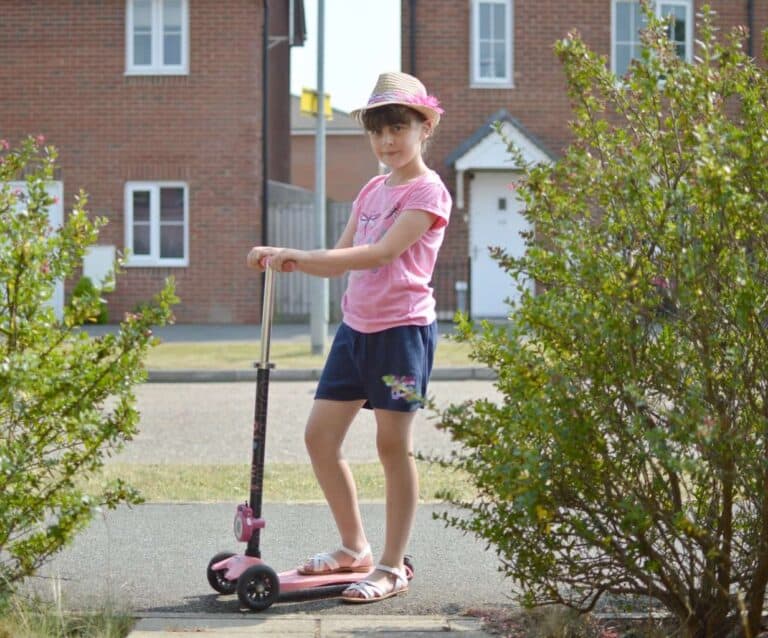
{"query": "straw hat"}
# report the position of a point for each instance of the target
(404, 89)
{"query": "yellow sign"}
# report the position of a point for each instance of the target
(308, 104)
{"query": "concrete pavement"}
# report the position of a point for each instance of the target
(303, 626)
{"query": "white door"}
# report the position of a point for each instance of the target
(56, 217)
(494, 220)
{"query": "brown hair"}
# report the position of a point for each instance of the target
(377, 118)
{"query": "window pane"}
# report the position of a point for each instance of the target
(142, 48)
(172, 14)
(140, 239)
(141, 206)
(172, 49)
(171, 205)
(500, 62)
(640, 22)
(172, 241)
(678, 29)
(142, 32)
(172, 32)
(623, 22)
(499, 21)
(623, 56)
(485, 60)
(142, 14)
(485, 21)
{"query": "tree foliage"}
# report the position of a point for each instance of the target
(630, 453)
(66, 399)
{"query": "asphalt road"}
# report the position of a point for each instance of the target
(211, 423)
(153, 558)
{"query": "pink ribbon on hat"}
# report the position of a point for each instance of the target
(429, 101)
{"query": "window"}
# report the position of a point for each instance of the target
(629, 20)
(157, 223)
(491, 43)
(157, 37)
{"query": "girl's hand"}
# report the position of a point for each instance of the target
(285, 259)
(258, 257)
(279, 259)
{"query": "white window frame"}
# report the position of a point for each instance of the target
(156, 66)
(475, 79)
(154, 259)
(686, 4)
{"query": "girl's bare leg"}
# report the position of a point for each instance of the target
(395, 447)
(326, 428)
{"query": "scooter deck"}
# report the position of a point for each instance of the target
(291, 580)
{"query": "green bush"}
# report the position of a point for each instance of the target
(630, 453)
(66, 400)
(86, 288)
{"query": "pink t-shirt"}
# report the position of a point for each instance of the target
(399, 293)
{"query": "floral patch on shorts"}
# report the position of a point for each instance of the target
(404, 388)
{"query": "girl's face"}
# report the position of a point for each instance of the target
(398, 146)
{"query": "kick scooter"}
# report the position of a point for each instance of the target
(257, 585)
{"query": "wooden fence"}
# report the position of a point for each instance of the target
(292, 223)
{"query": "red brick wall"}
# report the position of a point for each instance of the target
(62, 75)
(350, 163)
(538, 99)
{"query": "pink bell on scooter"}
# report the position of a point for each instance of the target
(246, 523)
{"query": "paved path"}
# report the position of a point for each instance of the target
(303, 626)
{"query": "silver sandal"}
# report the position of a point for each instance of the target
(371, 592)
(325, 563)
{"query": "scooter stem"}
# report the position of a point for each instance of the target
(260, 413)
(266, 316)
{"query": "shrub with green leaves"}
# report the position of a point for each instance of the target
(85, 286)
(630, 454)
(66, 399)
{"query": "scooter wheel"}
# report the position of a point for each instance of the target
(258, 587)
(216, 576)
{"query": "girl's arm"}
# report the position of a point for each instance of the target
(260, 255)
(408, 228)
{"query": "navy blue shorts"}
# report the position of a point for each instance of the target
(358, 362)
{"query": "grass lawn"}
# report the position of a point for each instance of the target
(283, 482)
(228, 355)
(25, 617)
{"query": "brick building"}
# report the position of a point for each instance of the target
(157, 108)
(493, 60)
(350, 163)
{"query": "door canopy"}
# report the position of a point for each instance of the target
(486, 150)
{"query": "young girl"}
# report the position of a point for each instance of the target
(389, 246)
